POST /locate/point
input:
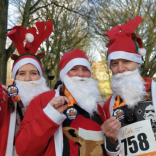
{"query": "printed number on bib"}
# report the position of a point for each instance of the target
(138, 139)
(131, 144)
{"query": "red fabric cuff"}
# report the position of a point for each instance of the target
(1, 92)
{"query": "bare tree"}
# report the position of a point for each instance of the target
(25, 9)
(70, 28)
(70, 31)
(112, 13)
(3, 31)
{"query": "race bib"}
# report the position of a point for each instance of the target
(137, 139)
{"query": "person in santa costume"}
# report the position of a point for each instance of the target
(28, 82)
(66, 121)
(133, 102)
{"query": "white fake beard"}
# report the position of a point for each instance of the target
(85, 92)
(29, 90)
(129, 87)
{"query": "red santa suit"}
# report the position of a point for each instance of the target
(126, 47)
(44, 131)
(41, 130)
(27, 56)
(140, 109)
(7, 128)
(10, 122)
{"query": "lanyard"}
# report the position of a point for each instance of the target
(71, 112)
(117, 103)
(70, 98)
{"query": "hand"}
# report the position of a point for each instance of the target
(3, 90)
(110, 128)
(58, 103)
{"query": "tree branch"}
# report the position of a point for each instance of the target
(32, 7)
(56, 4)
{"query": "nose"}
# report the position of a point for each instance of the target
(80, 73)
(121, 68)
(27, 77)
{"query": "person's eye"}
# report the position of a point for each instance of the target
(21, 73)
(85, 69)
(74, 69)
(114, 63)
(34, 73)
(127, 61)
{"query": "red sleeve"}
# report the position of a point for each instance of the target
(1, 92)
(36, 128)
(106, 108)
(4, 125)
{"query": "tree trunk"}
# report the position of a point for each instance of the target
(3, 68)
(26, 14)
(3, 32)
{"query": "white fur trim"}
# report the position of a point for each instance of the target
(58, 135)
(24, 61)
(153, 94)
(58, 139)
(113, 153)
(124, 55)
(57, 91)
(11, 133)
(112, 101)
(29, 37)
(72, 63)
(91, 135)
(142, 51)
(50, 111)
(111, 113)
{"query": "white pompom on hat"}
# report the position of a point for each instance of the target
(29, 37)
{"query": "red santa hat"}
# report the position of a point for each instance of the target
(71, 59)
(124, 44)
(27, 52)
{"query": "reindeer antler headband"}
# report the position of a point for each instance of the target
(34, 37)
(124, 44)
